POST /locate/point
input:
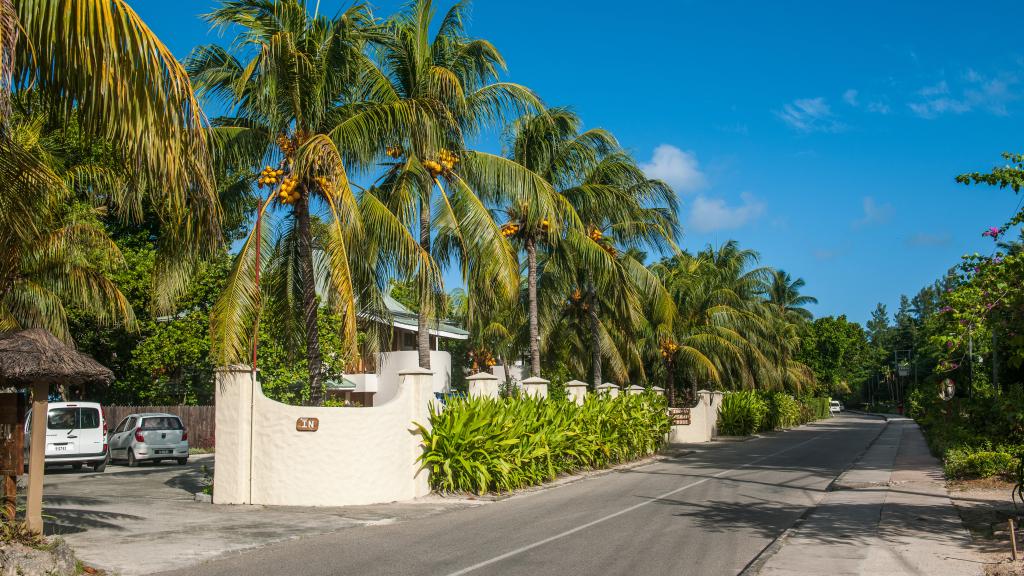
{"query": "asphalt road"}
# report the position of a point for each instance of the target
(707, 512)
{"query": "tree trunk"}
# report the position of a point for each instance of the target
(426, 298)
(531, 259)
(595, 331)
(309, 304)
(670, 384)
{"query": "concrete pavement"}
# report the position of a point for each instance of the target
(143, 520)
(889, 514)
(712, 511)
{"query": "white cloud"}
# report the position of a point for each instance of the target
(879, 107)
(874, 213)
(850, 97)
(809, 115)
(677, 167)
(975, 92)
(923, 239)
(710, 214)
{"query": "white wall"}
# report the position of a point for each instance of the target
(703, 424)
(358, 455)
(391, 363)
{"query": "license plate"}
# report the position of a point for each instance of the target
(163, 451)
(62, 447)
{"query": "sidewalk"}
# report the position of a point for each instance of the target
(889, 514)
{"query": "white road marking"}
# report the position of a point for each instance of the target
(571, 531)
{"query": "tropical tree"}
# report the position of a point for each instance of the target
(784, 292)
(142, 104)
(600, 274)
(428, 96)
(54, 251)
(292, 82)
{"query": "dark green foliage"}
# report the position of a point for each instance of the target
(749, 411)
(969, 463)
(482, 444)
(742, 413)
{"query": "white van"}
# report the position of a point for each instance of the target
(76, 434)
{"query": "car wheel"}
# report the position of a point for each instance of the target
(182, 461)
(132, 462)
(76, 466)
(100, 466)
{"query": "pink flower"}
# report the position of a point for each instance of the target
(993, 232)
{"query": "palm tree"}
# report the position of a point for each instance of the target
(599, 284)
(56, 253)
(550, 145)
(429, 94)
(292, 83)
(784, 293)
(141, 103)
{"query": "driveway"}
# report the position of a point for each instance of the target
(144, 520)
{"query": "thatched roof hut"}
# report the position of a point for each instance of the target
(35, 355)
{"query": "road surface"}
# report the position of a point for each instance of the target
(711, 511)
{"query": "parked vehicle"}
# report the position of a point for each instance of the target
(76, 435)
(149, 437)
(835, 407)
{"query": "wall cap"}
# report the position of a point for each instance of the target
(482, 376)
(575, 384)
(607, 386)
(416, 372)
(234, 368)
(534, 380)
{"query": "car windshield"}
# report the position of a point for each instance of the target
(161, 423)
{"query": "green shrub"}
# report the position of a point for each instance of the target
(783, 411)
(742, 413)
(501, 444)
(969, 463)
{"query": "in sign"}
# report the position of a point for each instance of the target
(307, 424)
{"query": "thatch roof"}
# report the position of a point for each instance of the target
(35, 355)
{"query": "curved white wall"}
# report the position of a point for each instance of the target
(357, 456)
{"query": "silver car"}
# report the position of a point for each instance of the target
(149, 437)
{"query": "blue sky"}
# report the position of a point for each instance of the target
(824, 135)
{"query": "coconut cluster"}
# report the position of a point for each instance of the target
(393, 151)
(289, 192)
(668, 348)
(269, 176)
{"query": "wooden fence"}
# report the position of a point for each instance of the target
(198, 420)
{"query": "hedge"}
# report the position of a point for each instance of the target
(500, 444)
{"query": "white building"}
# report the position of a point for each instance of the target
(380, 386)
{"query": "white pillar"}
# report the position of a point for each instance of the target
(233, 399)
(483, 384)
(658, 390)
(608, 388)
(535, 386)
(635, 389)
(576, 391)
(421, 382)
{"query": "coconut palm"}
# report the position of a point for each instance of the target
(784, 293)
(550, 145)
(292, 81)
(56, 252)
(141, 103)
(597, 277)
(430, 93)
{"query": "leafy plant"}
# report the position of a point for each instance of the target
(501, 444)
(742, 413)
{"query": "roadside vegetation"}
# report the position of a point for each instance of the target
(749, 411)
(484, 445)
